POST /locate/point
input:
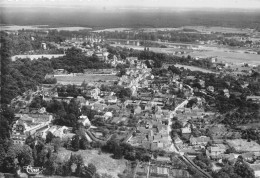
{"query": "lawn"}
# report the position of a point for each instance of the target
(103, 162)
(77, 80)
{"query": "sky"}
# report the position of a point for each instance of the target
(241, 4)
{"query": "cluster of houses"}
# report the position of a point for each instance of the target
(152, 97)
(198, 135)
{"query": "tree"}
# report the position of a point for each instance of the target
(49, 137)
(243, 169)
(30, 140)
(78, 160)
(122, 69)
(92, 168)
(83, 143)
(88, 112)
(2, 157)
(117, 151)
(157, 63)
(66, 168)
(148, 64)
(230, 150)
(75, 142)
(51, 165)
(7, 119)
(73, 52)
(25, 156)
(124, 93)
(17, 156)
(227, 171)
(56, 144)
(177, 125)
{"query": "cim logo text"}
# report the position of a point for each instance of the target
(33, 170)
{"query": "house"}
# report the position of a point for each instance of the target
(35, 118)
(108, 115)
(111, 99)
(216, 150)
(202, 140)
(23, 128)
(186, 130)
(256, 169)
(101, 56)
(94, 93)
(162, 128)
(178, 141)
(43, 46)
(210, 88)
(65, 99)
(138, 110)
(163, 159)
(226, 93)
(81, 100)
(99, 107)
(255, 99)
(113, 108)
(42, 110)
(132, 60)
(159, 171)
(84, 120)
(58, 131)
(248, 156)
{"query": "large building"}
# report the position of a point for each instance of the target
(29, 124)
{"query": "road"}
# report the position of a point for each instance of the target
(136, 169)
(173, 147)
(148, 170)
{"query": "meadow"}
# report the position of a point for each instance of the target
(39, 27)
(193, 68)
(88, 78)
(234, 57)
(104, 163)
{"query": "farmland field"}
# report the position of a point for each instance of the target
(227, 55)
(219, 29)
(192, 68)
(112, 30)
(78, 79)
(103, 162)
(169, 50)
(40, 27)
(243, 145)
(235, 56)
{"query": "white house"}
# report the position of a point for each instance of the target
(84, 120)
(256, 168)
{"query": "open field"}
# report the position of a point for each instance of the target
(37, 56)
(169, 50)
(103, 162)
(113, 30)
(201, 29)
(78, 79)
(235, 56)
(193, 68)
(242, 145)
(204, 29)
(40, 27)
